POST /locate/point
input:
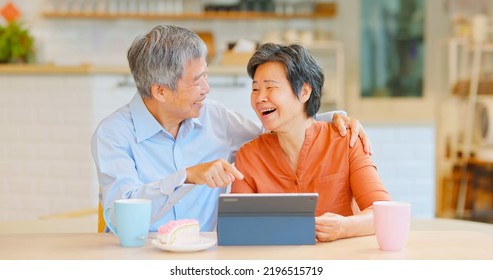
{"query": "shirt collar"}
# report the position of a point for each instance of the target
(147, 126)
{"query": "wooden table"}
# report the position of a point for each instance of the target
(428, 240)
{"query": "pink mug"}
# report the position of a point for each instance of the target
(392, 220)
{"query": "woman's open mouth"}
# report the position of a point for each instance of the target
(266, 112)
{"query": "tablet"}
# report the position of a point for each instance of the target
(266, 219)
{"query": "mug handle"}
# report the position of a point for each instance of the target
(108, 220)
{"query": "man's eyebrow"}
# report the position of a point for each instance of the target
(199, 75)
(265, 81)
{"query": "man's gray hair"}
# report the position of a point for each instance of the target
(159, 57)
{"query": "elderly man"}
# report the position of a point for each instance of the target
(170, 144)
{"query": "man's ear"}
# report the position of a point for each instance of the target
(158, 92)
(306, 91)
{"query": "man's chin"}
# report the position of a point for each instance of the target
(195, 114)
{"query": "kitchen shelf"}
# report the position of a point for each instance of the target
(189, 16)
(16, 69)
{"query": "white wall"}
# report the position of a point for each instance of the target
(404, 155)
(45, 162)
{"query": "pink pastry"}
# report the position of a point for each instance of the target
(179, 232)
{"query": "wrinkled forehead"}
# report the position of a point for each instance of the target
(194, 68)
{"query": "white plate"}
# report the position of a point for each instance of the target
(203, 244)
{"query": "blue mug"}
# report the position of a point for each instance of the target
(133, 219)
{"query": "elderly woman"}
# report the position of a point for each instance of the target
(301, 154)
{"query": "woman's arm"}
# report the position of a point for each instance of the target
(330, 226)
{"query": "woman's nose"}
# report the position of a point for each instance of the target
(260, 96)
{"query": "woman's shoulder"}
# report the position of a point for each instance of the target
(328, 129)
(329, 134)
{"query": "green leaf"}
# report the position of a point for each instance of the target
(16, 43)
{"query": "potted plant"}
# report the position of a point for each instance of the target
(16, 44)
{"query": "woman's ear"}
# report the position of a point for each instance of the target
(306, 92)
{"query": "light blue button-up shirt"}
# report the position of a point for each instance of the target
(137, 158)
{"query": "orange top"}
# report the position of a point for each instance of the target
(327, 165)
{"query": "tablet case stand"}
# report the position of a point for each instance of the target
(270, 221)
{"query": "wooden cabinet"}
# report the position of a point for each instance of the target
(459, 152)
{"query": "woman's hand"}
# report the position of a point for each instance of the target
(330, 227)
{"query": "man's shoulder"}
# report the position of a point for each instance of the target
(118, 119)
(213, 109)
(211, 104)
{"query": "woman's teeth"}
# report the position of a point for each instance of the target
(267, 111)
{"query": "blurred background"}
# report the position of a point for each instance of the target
(417, 75)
